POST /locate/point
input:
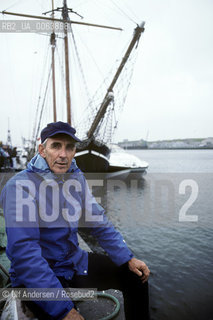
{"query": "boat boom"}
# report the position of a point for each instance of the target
(60, 20)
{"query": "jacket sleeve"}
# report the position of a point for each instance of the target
(24, 251)
(102, 229)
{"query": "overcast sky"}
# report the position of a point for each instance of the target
(171, 93)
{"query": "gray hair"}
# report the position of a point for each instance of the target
(45, 143)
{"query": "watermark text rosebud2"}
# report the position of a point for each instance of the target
(192, 184)
(157, 199)
(49, 198)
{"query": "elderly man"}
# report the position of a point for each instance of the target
(43, 207)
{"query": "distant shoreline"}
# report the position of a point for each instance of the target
(177, 144)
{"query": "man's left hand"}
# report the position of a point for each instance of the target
(140, 268)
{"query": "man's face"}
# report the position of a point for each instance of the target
(58, 151)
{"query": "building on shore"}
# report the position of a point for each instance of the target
(137, 144)
(199, 143)
(182, 144)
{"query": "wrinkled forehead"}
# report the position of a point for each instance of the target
(61, 138)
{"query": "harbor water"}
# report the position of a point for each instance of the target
(166, 219)
(154, 216)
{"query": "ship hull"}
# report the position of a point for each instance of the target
(92, 156)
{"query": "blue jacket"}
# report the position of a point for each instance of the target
(42, 213)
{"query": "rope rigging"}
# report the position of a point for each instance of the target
(123, 12)
(42, 108)
(99, 118)
(80, 65)
(108, 124)
(14, 4)
(34, 136)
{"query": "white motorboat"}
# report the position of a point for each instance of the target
(122, 160)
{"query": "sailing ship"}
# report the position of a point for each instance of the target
(93, 152)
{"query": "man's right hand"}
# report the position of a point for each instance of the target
(73, 315)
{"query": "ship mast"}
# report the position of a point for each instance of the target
(109, 95)
(66, 52)
(66, 21)
(53, 44)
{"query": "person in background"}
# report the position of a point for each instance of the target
(13, 156)
(3, 157)
(7, 156)
(45, 253)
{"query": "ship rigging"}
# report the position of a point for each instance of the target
(97, 129)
